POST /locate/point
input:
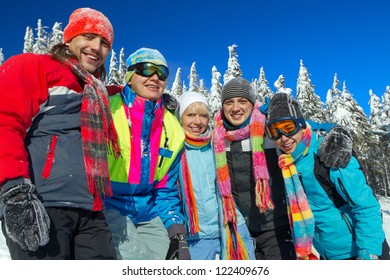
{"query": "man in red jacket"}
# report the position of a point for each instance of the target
(55, 124)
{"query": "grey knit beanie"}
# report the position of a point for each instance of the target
(238, 87)
(282, 105)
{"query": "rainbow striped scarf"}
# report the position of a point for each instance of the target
(300, 215)
(255, 130)
(196, 142)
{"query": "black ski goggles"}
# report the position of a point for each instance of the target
(148, 69)
(284, 126)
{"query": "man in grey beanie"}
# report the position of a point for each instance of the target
(252, 162)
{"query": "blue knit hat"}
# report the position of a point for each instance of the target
(144, 55)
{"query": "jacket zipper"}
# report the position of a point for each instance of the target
(49, 157)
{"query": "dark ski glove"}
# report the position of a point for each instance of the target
(170, 102)
(26, 220)
(336, 148)
(178, 248)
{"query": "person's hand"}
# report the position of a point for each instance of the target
(170, 102)
(336, 148)
(178, 248)
(25, 218)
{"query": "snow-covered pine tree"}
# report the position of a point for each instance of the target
(233, 70)
(311, 104)
(177, 86)
(376, 110)
(55, 36)
(122, 68)
(1, 56)
(281, 87)
(263, 90)
(41, 42)
(379, 161)
(202, 88)
(28, 40)
(193, 78)
(349, 114)
(332, 98)
(214, 98)
(113, 73)
(385, 116)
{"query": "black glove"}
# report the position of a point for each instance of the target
(336, 148)
(178, 248)
(170, 102)
(25, 219)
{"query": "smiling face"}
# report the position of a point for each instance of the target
(195, 119)
(236, 110)
(288, 144)
(150, 88)
(90, 49)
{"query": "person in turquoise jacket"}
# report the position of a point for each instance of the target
(209, 237)
(352, 230)
(144, 212)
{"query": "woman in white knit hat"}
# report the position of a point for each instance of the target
(211, 233)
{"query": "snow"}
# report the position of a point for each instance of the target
(385, 206)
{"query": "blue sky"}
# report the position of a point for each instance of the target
(350, 38)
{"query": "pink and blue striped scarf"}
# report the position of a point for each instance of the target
(300, 215)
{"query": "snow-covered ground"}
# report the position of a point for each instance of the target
(385, 205)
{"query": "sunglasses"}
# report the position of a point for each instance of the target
(284, 126)
(148, 69)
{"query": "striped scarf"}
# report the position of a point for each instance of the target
(300, 215)
(97, 131)
(196, 142)
(255, 130)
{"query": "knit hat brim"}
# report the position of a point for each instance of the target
(238, 87)
(188, 98)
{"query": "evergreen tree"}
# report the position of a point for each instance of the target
(281, 87)
(28, 40)
(233, 69)
(385, 116)
(56, 35)
(113, 76)
(1, 56)
(312, 106)
(214, 99)
(177, 86)
(122, 69)
(332, 98)
(41, 43)
(376, 109)
(193, 77)
(202, 88)
(263, 90)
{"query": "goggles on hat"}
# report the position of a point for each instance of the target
(148, 69)
(284, 126)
